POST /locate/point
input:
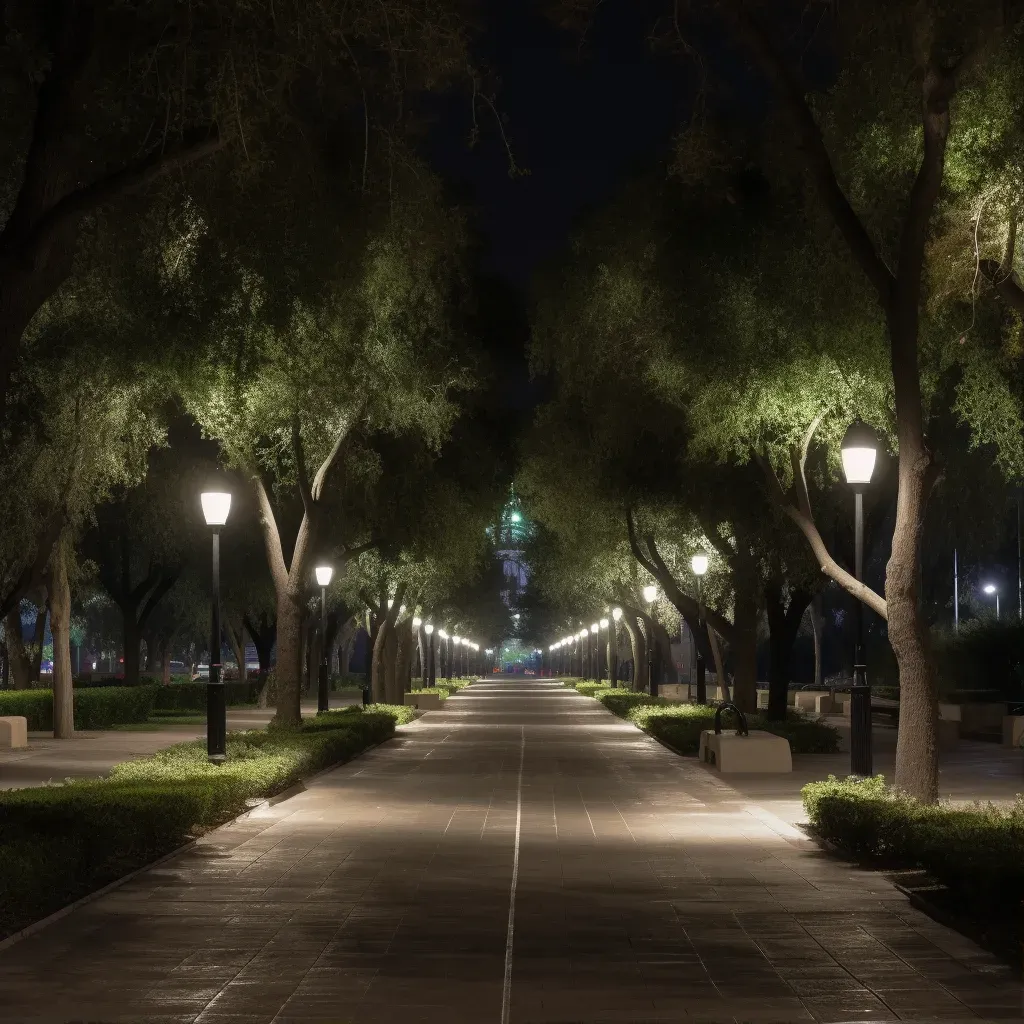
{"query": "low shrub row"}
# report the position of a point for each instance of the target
(96, 707)
(58, 843)
(679, 725)
(192, 696)
(977, 851)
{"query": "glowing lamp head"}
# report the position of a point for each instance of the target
(858, 449)
(216, 506)
(476, 647)
(416, 622)
(465, 642)
(990, 588)
(323, 575)
(594, 628)
(457, 639)
(604, 623)
(428, 628)
(699, 563)
(650, 593)
(442, 634)
(616, 614)
(515, 517)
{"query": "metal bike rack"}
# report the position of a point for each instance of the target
(727, 705)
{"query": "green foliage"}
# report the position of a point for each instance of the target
(977, 850)
(402, 715)
(983, 656)
(95, 707)
(58, 843)
(621, 702)
(192, 696)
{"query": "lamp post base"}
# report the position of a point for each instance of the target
(861, 762)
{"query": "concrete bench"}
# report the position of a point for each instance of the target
(674, 691)
(760, 752)
(13, 732)
(423, 701)
(815, 700)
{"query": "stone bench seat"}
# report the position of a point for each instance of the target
(13, 732)
(758, 752)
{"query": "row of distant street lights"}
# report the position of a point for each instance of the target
(859, 449)
(216, 506)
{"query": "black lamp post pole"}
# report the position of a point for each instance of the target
(652, 668)
(702, 686)
(216, 707)
(323, 700)
(860, 692)
(431, 676)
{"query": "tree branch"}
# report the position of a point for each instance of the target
(1004, 281)
(815, 153)
(803, 519)
(300, 467)
(128, 179)
(271, 534)
(325, 467)
(687, 606)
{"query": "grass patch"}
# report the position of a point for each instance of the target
(58, 843)
(976, 851)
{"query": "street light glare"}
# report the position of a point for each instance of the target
(216, 506)
(323, 575)
(699, 563)
(594, 628)
(429, 628)
(990, 588)
(650, 593)
(416, 622)
(859, 449)
(616, 614)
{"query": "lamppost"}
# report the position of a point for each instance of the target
(859, 449)
(608, 659)
(650, 596)
(456, 640)
(417, 624)
(991, 588)
(445, 660)
(699, 565)
(216, 505)
(323, 700)
(613, 648)
(583, 635)
(595, 652)
(465, 657)
(428, 628)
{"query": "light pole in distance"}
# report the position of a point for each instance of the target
(859, 449)
(323, 700)
(216, 506)
(429, 630)
(699, 565)
(650, 596)
(991, 588)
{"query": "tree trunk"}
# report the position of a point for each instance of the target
(36, 655)
(165, 661)
(421, 647)
(783, 626)
(131, 640)
(917, 760)
(236, 638)
(716, 656)
(288, 672)
(638, 646)
(403, 663)
(744, 652)
(6, 667)
(59, 593)
(378, 659)
(817, 627)
(20, 665)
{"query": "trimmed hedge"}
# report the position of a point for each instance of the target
(976, 851)
(192, 696)
(58, 843)
(96, 707)
(620, 702)
(679, 726)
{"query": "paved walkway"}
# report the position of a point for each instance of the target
(92, 753)
(644, 889)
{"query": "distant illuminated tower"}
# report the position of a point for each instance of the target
(510, 537)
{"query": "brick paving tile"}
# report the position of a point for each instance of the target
(648, 890)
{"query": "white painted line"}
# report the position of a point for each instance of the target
(506, 992)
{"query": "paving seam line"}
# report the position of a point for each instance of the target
(285, 794)
(506, 991)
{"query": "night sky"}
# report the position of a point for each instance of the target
(580, 120)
